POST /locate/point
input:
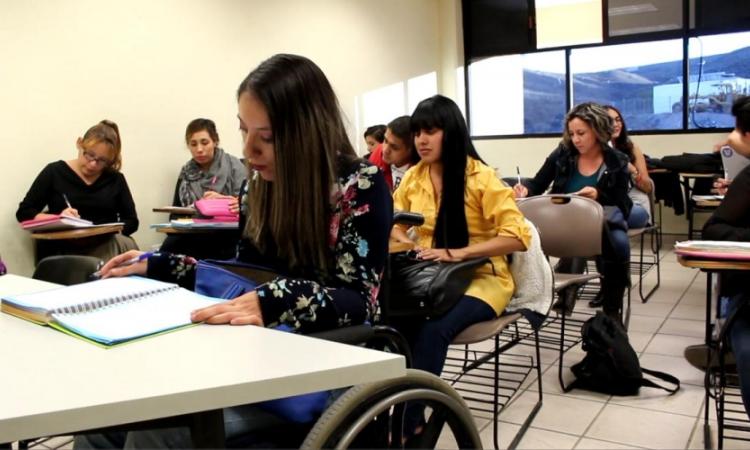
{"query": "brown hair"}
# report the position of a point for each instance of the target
(106, 131)
(197, 125)
(596, 117)
(309, 137)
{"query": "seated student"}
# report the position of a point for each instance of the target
(731, 222)
(640, 189)
(738, 139)
(374, 136)
(468, 213)
(398, 149)
(210, 173)
(584, 164)
(314, 212)
(89, 186)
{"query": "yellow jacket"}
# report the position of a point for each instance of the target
(490, 211)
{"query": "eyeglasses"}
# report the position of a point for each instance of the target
(617, 119)
(90, 157)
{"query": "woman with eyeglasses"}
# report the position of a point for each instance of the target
(640, 186)
(89, 186)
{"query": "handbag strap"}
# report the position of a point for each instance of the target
(662, 376)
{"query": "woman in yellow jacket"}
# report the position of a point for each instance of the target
(468, 213)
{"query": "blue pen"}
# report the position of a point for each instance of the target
(133, 260)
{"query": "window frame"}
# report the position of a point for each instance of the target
(684, 34)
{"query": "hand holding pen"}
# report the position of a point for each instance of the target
(69, 211)
(133, 262)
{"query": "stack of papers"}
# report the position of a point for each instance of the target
(714, 249)
(198, 224)
(699, 198)
(58, 222)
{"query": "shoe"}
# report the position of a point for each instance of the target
(598, 300)
(566, 300)
(696, 355)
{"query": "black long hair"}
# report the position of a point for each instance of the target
(451, 229)
(622, 142)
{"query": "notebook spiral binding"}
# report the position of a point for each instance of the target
(111, 301)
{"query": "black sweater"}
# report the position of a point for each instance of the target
(612, 186)
(731, 222)
(108, 199)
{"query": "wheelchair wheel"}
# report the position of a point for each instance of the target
(371, 416)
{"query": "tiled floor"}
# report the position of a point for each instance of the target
(659, 331)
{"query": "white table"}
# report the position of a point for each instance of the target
(52, 383)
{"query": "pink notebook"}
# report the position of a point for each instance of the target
(56, 222)
(217, 208)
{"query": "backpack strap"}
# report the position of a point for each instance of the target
(662, 376)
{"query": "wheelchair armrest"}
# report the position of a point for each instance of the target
(354, 335)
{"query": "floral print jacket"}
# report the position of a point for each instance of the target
(306, 300)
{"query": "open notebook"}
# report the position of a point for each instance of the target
(730, 250)
(110, 311)
(58, 222)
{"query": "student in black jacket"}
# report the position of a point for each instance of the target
(731, 222)
(89, 186)
(584, 164)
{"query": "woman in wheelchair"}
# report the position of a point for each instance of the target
(313, 211)
(468, 213)
(584, 164)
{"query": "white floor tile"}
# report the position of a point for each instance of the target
(687, 401)
(641, 427)
(593, 444)
(534, 438)
(674, 365)
(689, 312)
(645, 324)
(684, 327)
(651, 309)
(559, 413)
(666, 344)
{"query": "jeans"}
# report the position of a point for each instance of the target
(429, 341)
(739, 336)
(638, 217)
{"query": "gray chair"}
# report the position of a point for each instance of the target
(570, 226)
(646, 262)
(67, 269)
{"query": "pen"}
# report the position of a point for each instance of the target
(65, 197)
(518, 173)
(133, 260)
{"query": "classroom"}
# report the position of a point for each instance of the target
(153, 66)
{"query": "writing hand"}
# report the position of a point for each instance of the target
(70, 212)
(588, 192)
(721, 185)
(117, 267)
(441, 254)
(243, 310)
(520, 191)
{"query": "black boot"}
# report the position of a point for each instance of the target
(566, 300)
(615, 281)
(598, 300)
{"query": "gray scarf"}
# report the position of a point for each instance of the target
(194, 182)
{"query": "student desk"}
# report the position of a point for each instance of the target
(692, 206)
(76, 233)
(55, 384)
(710, 266)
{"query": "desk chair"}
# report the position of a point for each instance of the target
(689, 183)
(478, 369)
(569, 227)
(67, 269)
(653, 230)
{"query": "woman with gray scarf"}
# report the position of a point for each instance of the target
(210, 173)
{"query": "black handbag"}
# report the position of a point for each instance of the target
(427, 288)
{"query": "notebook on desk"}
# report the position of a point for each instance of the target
(724, 250)
(110, 311)
(59, 222)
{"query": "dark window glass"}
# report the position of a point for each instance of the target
(628, 17)
(496, 27)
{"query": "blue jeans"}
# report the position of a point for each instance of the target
(739, 335)
(638, 217)
(429, 341)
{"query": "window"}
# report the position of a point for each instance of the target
(642, 80)
(718, 73)
(568, 22)
(627, 17)
(518, 94)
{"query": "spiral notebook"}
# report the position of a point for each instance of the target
(110, 311)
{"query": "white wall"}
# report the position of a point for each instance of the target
(152, 66)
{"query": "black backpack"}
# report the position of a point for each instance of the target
(611, 365)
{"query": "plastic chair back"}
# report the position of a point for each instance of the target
(66, 269)
(570, 225)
